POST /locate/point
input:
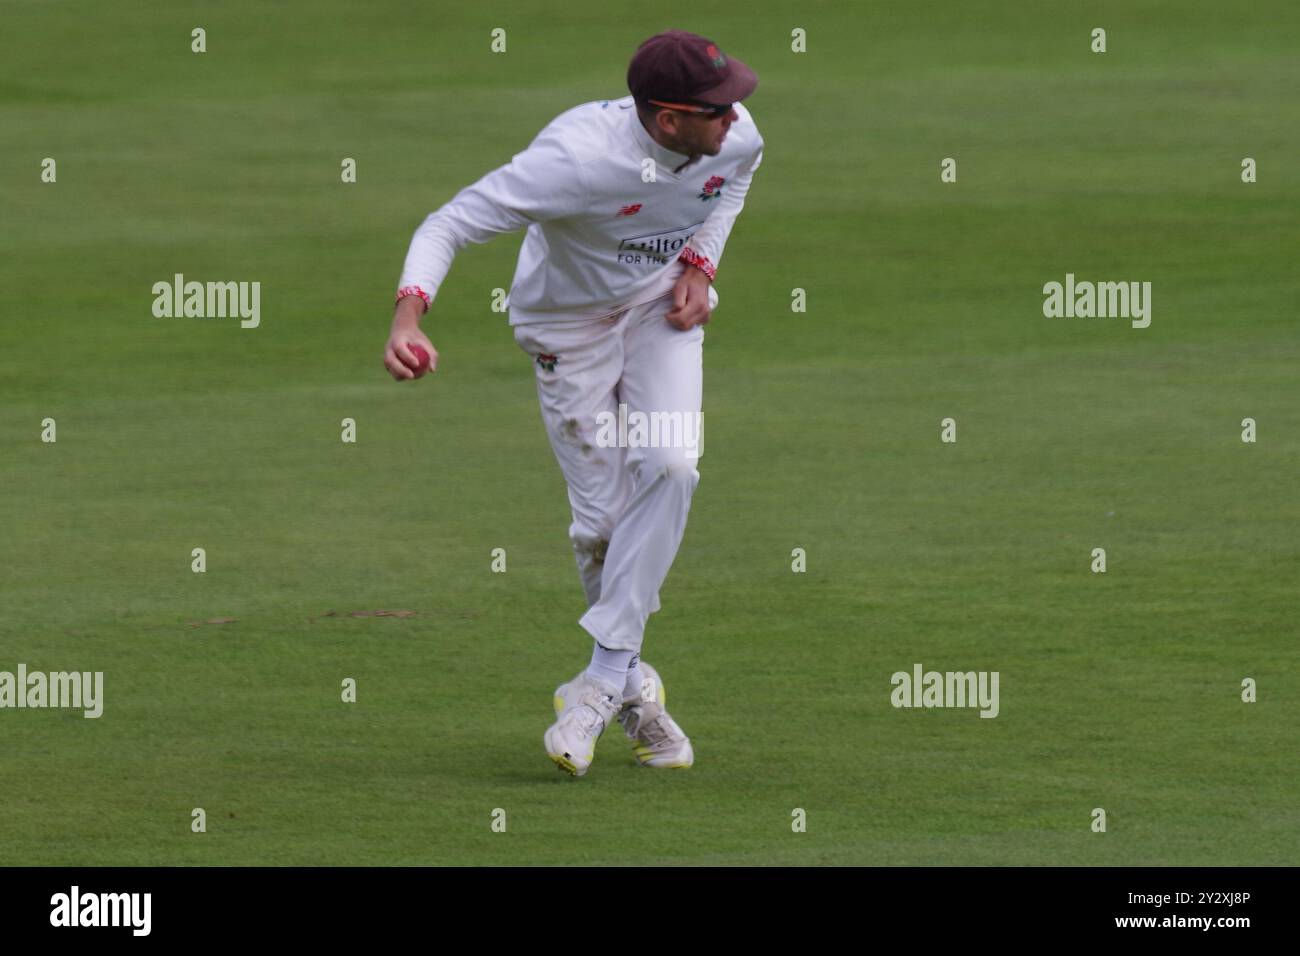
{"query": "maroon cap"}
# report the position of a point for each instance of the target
(685, 67)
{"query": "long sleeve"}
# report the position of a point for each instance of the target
(705, 248)
(543, 182)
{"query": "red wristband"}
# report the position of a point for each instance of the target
(693, 258)
(414, 290)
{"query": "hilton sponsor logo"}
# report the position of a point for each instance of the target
(656, 249)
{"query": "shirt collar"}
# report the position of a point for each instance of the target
(674, 162)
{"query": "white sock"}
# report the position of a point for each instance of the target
(634, 677)
(609, 668)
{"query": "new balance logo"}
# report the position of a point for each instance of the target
(631, 210)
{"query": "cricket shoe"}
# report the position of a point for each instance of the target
(583, 709)
(657, 741)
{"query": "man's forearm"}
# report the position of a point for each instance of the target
(408, 311)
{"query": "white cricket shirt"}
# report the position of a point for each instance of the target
(600, 238)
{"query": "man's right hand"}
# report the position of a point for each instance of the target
(398, 358)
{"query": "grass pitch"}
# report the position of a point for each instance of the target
(1118, 690)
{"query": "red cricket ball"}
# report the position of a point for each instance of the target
(421, 359)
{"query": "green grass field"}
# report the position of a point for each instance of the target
(1118, 690)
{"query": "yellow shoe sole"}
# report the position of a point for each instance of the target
(565, 764)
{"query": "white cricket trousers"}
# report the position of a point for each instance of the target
(629, 502)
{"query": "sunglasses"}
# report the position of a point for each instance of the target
(712, 112)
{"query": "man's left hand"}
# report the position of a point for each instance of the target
(690, 300)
